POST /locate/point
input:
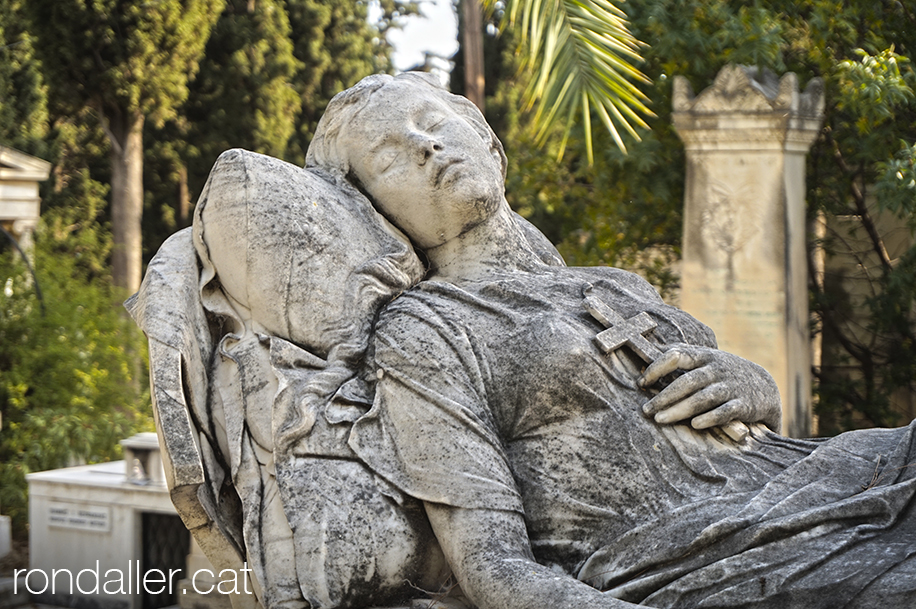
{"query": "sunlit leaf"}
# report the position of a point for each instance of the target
(579, 55)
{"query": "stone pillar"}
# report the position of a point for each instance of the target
(744, 261)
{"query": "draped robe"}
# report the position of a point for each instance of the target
(493, 395)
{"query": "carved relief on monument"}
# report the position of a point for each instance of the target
(727, 217)
(746, 137)
(727, 224)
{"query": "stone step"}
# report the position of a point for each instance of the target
(7, 598)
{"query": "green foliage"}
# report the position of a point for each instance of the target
(579, 57)
(74, 202)
(268, 71)
(896, 185)
(23, 93)
(121, 56)
(166, 200)
(337, 47)
(873, 88)
(130, 62)
(694, 39)
(624, 209)
(864, 309)
(244, 95)
(69, 387)
(72, 380)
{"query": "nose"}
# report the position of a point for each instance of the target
(424, 146)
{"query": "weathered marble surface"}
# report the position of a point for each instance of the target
(256, 319)
(476, 406)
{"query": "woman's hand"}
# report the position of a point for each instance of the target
(715, 389)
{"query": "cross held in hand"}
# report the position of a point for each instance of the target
(631, 332)
(621, 331)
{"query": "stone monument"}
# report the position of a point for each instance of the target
(744, 260)
(106, 536)
(20, 204)
(377, 386)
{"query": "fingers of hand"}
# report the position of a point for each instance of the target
(669, 361)
(663, 365)
(683, 386)
(732, 410)
(702, 401)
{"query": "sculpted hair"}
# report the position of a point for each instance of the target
(324, 152)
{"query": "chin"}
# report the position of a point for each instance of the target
(484, 197)
(485, 206)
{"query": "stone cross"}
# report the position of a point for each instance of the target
(631, 332)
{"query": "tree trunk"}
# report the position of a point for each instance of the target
(184, 197)
(473, 52)
(126, 135)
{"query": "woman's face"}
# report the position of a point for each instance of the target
(431, 172)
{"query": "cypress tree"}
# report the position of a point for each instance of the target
(129, 60)
(23, 94)
(336, 47)
(244, 94)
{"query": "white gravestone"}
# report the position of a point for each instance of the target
(744, 267)
(87, 534)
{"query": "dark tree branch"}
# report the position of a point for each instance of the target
(858, 196)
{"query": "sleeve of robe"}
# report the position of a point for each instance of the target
(430, 431)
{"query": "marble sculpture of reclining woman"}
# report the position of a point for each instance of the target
(563, 436)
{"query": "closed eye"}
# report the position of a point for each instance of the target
(432, 122)
(386, 158)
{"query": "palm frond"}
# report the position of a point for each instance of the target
(579, 55)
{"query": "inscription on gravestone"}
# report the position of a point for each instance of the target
(95, 518)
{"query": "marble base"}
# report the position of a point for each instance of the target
(6, 536)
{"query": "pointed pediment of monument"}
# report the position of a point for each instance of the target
(750, 90)
(17, 165)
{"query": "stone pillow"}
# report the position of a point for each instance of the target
(311, 260)
(287, 252)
